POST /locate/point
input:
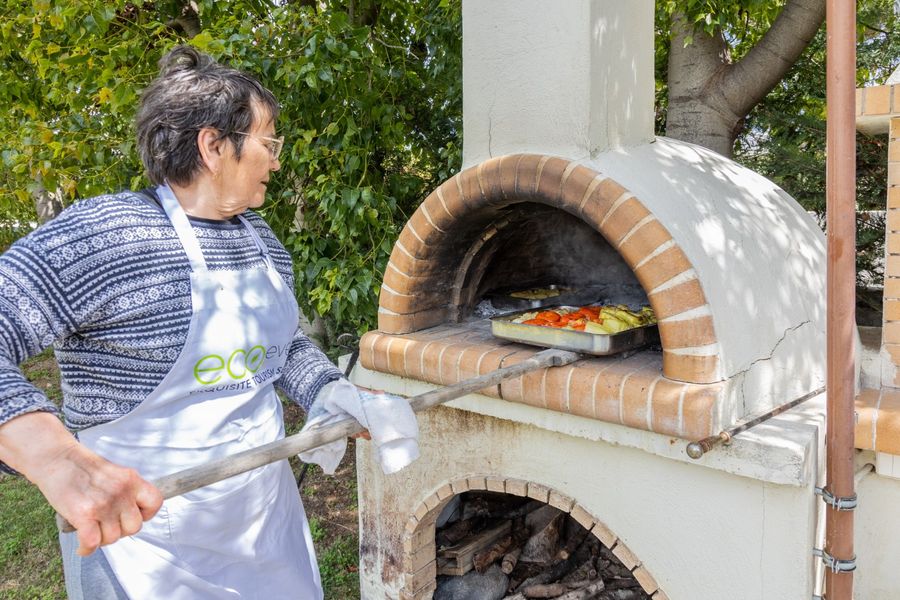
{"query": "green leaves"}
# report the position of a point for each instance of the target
(70, 77)
(371, 114)
(360, 160)
(740, 22)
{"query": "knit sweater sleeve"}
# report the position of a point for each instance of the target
(306, 372)
(33, 313)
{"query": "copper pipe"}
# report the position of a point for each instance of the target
(840, 195)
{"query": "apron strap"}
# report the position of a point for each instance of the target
(183, 228)
(263, 249)
(186, 233)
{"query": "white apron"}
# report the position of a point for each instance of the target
(245, 537)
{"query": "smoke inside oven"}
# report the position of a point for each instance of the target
(542, 247)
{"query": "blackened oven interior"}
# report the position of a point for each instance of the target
(532, 245)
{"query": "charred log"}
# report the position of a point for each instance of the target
(508, 564)
(543, 545)
(488, 557)
(545, 590)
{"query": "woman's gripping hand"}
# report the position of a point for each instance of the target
(102, 500)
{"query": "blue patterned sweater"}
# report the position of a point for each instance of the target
(107, 283)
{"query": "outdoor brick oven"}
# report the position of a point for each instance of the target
(566, 184)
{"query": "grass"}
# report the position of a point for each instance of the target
(30, 563)
(338, 567)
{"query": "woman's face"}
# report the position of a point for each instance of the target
(241, 184)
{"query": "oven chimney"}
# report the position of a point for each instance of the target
(571, 78)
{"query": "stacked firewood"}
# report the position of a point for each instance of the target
(499, 547)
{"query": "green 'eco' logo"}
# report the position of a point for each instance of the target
(212, 367)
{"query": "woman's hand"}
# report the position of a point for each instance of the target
(102, 500)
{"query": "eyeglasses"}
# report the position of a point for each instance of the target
(273, 144)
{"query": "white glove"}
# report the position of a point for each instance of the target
(390, 420)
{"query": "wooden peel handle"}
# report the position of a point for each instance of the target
(191, 479)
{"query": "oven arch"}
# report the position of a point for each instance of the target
(419, 549)
(415, 293)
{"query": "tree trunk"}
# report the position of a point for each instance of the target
(709, 96)
(697, 111)
(47, 204)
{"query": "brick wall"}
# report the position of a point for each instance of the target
(891, 333)
(878, 112)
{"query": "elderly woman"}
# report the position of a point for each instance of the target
(173, 320)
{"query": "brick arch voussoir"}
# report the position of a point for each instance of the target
(419, 531)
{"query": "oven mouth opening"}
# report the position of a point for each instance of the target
(532, 247)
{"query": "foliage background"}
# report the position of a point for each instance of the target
(784, 136)
(371, 95)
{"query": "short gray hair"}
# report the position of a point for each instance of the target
(193, 91)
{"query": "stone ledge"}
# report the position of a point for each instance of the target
(782, 450)
(629, 391)
(875, 106)
(878, 420)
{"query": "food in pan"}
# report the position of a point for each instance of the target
(535, 294)
(603, 320)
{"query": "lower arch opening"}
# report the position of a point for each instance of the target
(498, 546)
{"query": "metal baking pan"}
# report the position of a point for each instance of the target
(569, 339)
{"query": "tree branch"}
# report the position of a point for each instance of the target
(750, 79)
(188, 22)
(873, 28)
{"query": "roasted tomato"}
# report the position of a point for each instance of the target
(589, 311)
(535, 321)
(548, 315)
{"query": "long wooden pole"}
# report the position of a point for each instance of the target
(841, 292)
(191, 479)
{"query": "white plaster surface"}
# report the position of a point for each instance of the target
(567, 78)
(887, 465)
(703, 534)
(894, 79)
(876, 531)
(874, 124)
(870, 357)
(759, 256)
